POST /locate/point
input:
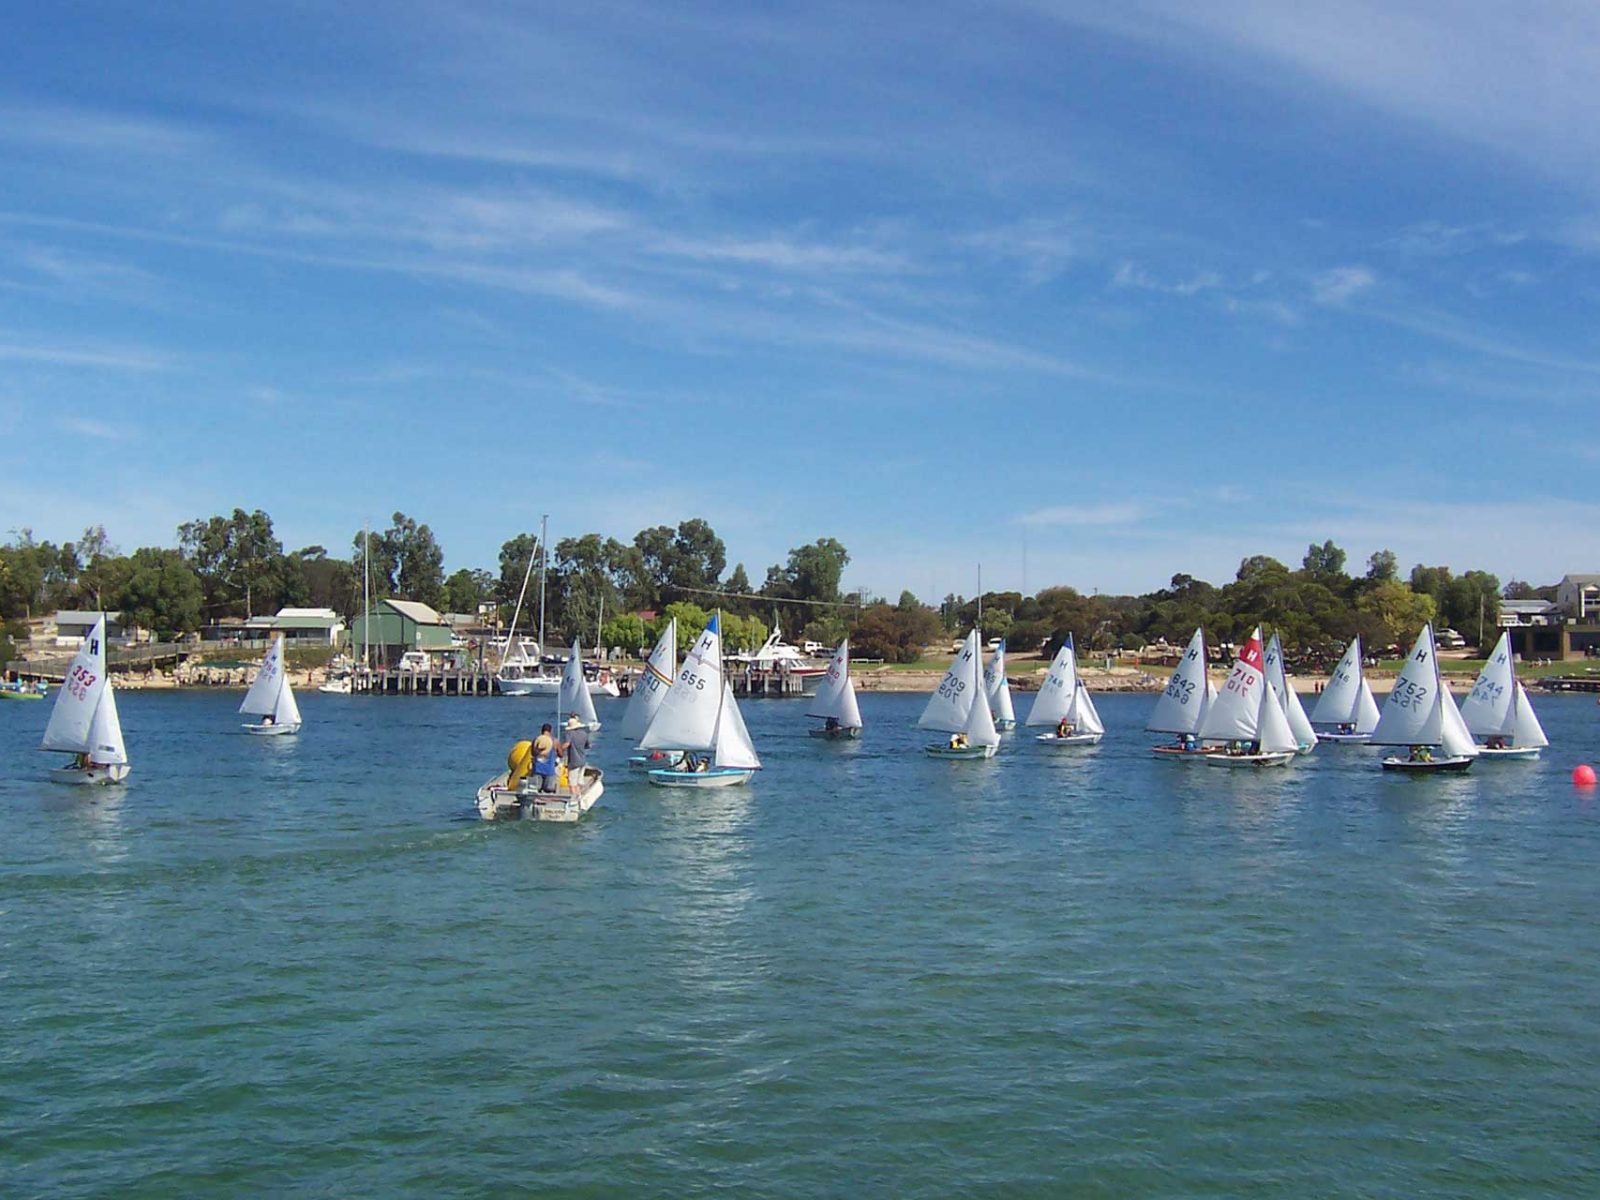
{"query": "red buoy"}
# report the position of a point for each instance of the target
(1583, 775)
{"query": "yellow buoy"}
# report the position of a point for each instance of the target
(518, 763)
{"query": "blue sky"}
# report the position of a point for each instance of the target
(1086, 296)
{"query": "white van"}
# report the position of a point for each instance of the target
(414, 660)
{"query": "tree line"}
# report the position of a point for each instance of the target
(596, 586)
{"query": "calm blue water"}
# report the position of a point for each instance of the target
(297, 967)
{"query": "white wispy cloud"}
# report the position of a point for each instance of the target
(1091, 514)
(108, 356)
(1131, 275)
(1339, 284)
(88, 427)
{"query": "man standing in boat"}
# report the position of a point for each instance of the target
(576, 749)
(544, 759)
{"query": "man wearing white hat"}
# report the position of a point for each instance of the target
(576, 748)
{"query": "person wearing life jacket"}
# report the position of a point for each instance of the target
(544, 759)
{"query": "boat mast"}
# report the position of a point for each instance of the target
(544, 560)
(366, 595)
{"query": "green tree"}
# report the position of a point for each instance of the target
(691, 618)
(237, 559)
(1397, 611)
(160, 592)
(417, 559)
(1325, 565)
(675, 563)
(627, 631)
(1383, 566)
(894, 634)
(517, 556)
(466, 589)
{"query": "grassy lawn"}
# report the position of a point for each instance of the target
(1471, 666)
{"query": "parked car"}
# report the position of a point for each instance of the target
(414, 660)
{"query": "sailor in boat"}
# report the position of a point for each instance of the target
(269, 719)
(1421, 754)
(831, 725)
(544, 759)
(576, 750)
(1064, 728)
(1496, 743)
(958, 741)
(1347, 727)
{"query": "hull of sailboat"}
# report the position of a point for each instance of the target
(97, 775)
(1185, 753)
(550, 686)
(1435, 766)
(273, 730)
(1004, 725)
(656, 759)
(1343, 738)
(966, 752)
(335, 687)
(716, 777)
(1056, 741)
(1281, 759)
(1508, 752)
(843, 734)
(8, 694)
(496, 802)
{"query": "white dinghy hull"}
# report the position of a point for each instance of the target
(271, 730)
(716, 777)
(95, 775)
(1055, 741)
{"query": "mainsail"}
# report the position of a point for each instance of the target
(836, 695)
(1412, 715)
(1277, 679)
(997, 687)
(950, 705)
(575, 696)
(1236, 713)
(687, 716)
(1183, 704)
(270, 694)
(652, 687)
(79, 699)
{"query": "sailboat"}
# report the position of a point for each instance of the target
(84, 721)
(271, 698)
(1182, 706)
(652, 687)
(1248, 717)
(699, 716)
(575, 696)
(961, 709)
(1347, 703)
(1063, 701)
(1278, 680)
(998, 688)
(835, 701)
(1421, 714)
(1498, 709)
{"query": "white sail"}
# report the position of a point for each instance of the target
(262, 698)
(997, 687)
(1339, 702)
(652, 687)
(1183, 705)
(1055, 696)
(1491, 708)
(687, 716)
(1273, 732)
(575, 696)
(1236, 712)
(105, 731)
(1454, 736)
(1278, 681)
(836, 695)
(949, 707)
(79, 696)
(1366, 709)
(1084, 716)
(1411, 716)
(732, 746)
(1529, 732)
(979, 725)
